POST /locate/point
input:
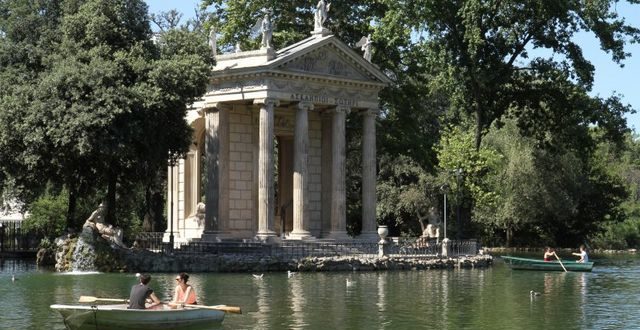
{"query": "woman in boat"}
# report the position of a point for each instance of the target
(184, 293)
(141, 292)
(549, 254)
(582, 254)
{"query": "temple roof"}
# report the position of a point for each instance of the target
(320, 56)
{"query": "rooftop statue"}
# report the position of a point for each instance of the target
(267, 31)
(212, 41)
(265, 27)
(365, 45)
(322, 8)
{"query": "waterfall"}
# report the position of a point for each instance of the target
(84, 254)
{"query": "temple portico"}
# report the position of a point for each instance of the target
(269, 136)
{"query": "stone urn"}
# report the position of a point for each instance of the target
(383, 231)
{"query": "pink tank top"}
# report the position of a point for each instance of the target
(191, 298)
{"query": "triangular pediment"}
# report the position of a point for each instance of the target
(329, 57)
(322, 57)
(327, 61)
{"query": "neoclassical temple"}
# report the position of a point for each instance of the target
(269, 145)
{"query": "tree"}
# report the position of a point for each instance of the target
(486, 55)
(90, 101)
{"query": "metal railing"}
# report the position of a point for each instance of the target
(13, 238)
(418, 247)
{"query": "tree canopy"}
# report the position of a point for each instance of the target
(88, 100)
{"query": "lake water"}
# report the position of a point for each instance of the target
(492, 298)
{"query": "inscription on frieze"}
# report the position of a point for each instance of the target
(324, 99)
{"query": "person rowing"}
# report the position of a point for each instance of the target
(549, 254)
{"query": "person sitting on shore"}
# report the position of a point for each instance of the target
(582, 254)
(184, 293)
(549, 254)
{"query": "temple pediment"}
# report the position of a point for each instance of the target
(327, 60)
(317, 56)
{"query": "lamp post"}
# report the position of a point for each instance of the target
(458, 172)
(173, 159)
(1, 237)
(445, 189)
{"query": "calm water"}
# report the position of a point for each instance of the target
(494, 298)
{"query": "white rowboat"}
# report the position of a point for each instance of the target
(78, 317)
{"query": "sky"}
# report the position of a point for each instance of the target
(610, 79)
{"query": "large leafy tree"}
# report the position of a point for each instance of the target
(489, 56)
(88, 101)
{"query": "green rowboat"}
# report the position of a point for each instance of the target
(538, 264)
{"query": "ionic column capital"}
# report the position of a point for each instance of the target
(268, 101)
(340, 109)
(305, 105)
(370, 112)
(216, 106)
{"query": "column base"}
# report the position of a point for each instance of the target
(266, 236)
(370, 236)
(339, 235)
(300, 235)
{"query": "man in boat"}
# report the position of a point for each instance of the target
(549, 254)
(141, 292)
(582, 254)
(184, 294)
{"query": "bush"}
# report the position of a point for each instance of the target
(619, 236)
(47, 215)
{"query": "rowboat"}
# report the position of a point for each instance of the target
(538, 264)
(78, 317)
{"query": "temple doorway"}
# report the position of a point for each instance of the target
(284, 185)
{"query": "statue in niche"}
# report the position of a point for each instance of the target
(365, 46)
(97, 222)
(322, 8)
(212, 41)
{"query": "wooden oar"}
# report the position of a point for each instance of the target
(88, 299)
(224, 308)
(560, 261)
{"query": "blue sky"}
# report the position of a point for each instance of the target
(609, 77)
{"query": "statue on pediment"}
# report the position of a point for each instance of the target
(267, 31)
(264, 27)
(212, 41)
(365, 46)
(322, 8)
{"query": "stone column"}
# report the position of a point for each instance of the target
(266, 228)
(338, 195)
(216, 148)
(325, 210)
(300, 173)
(369, 175)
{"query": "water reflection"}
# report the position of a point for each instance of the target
(297, 302)
(263, 303)
(382, 297)
(496, 298)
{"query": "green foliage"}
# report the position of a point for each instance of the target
(89, 102)
(618, 236)
(47, 215)
(406, 192)
(486, 57)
